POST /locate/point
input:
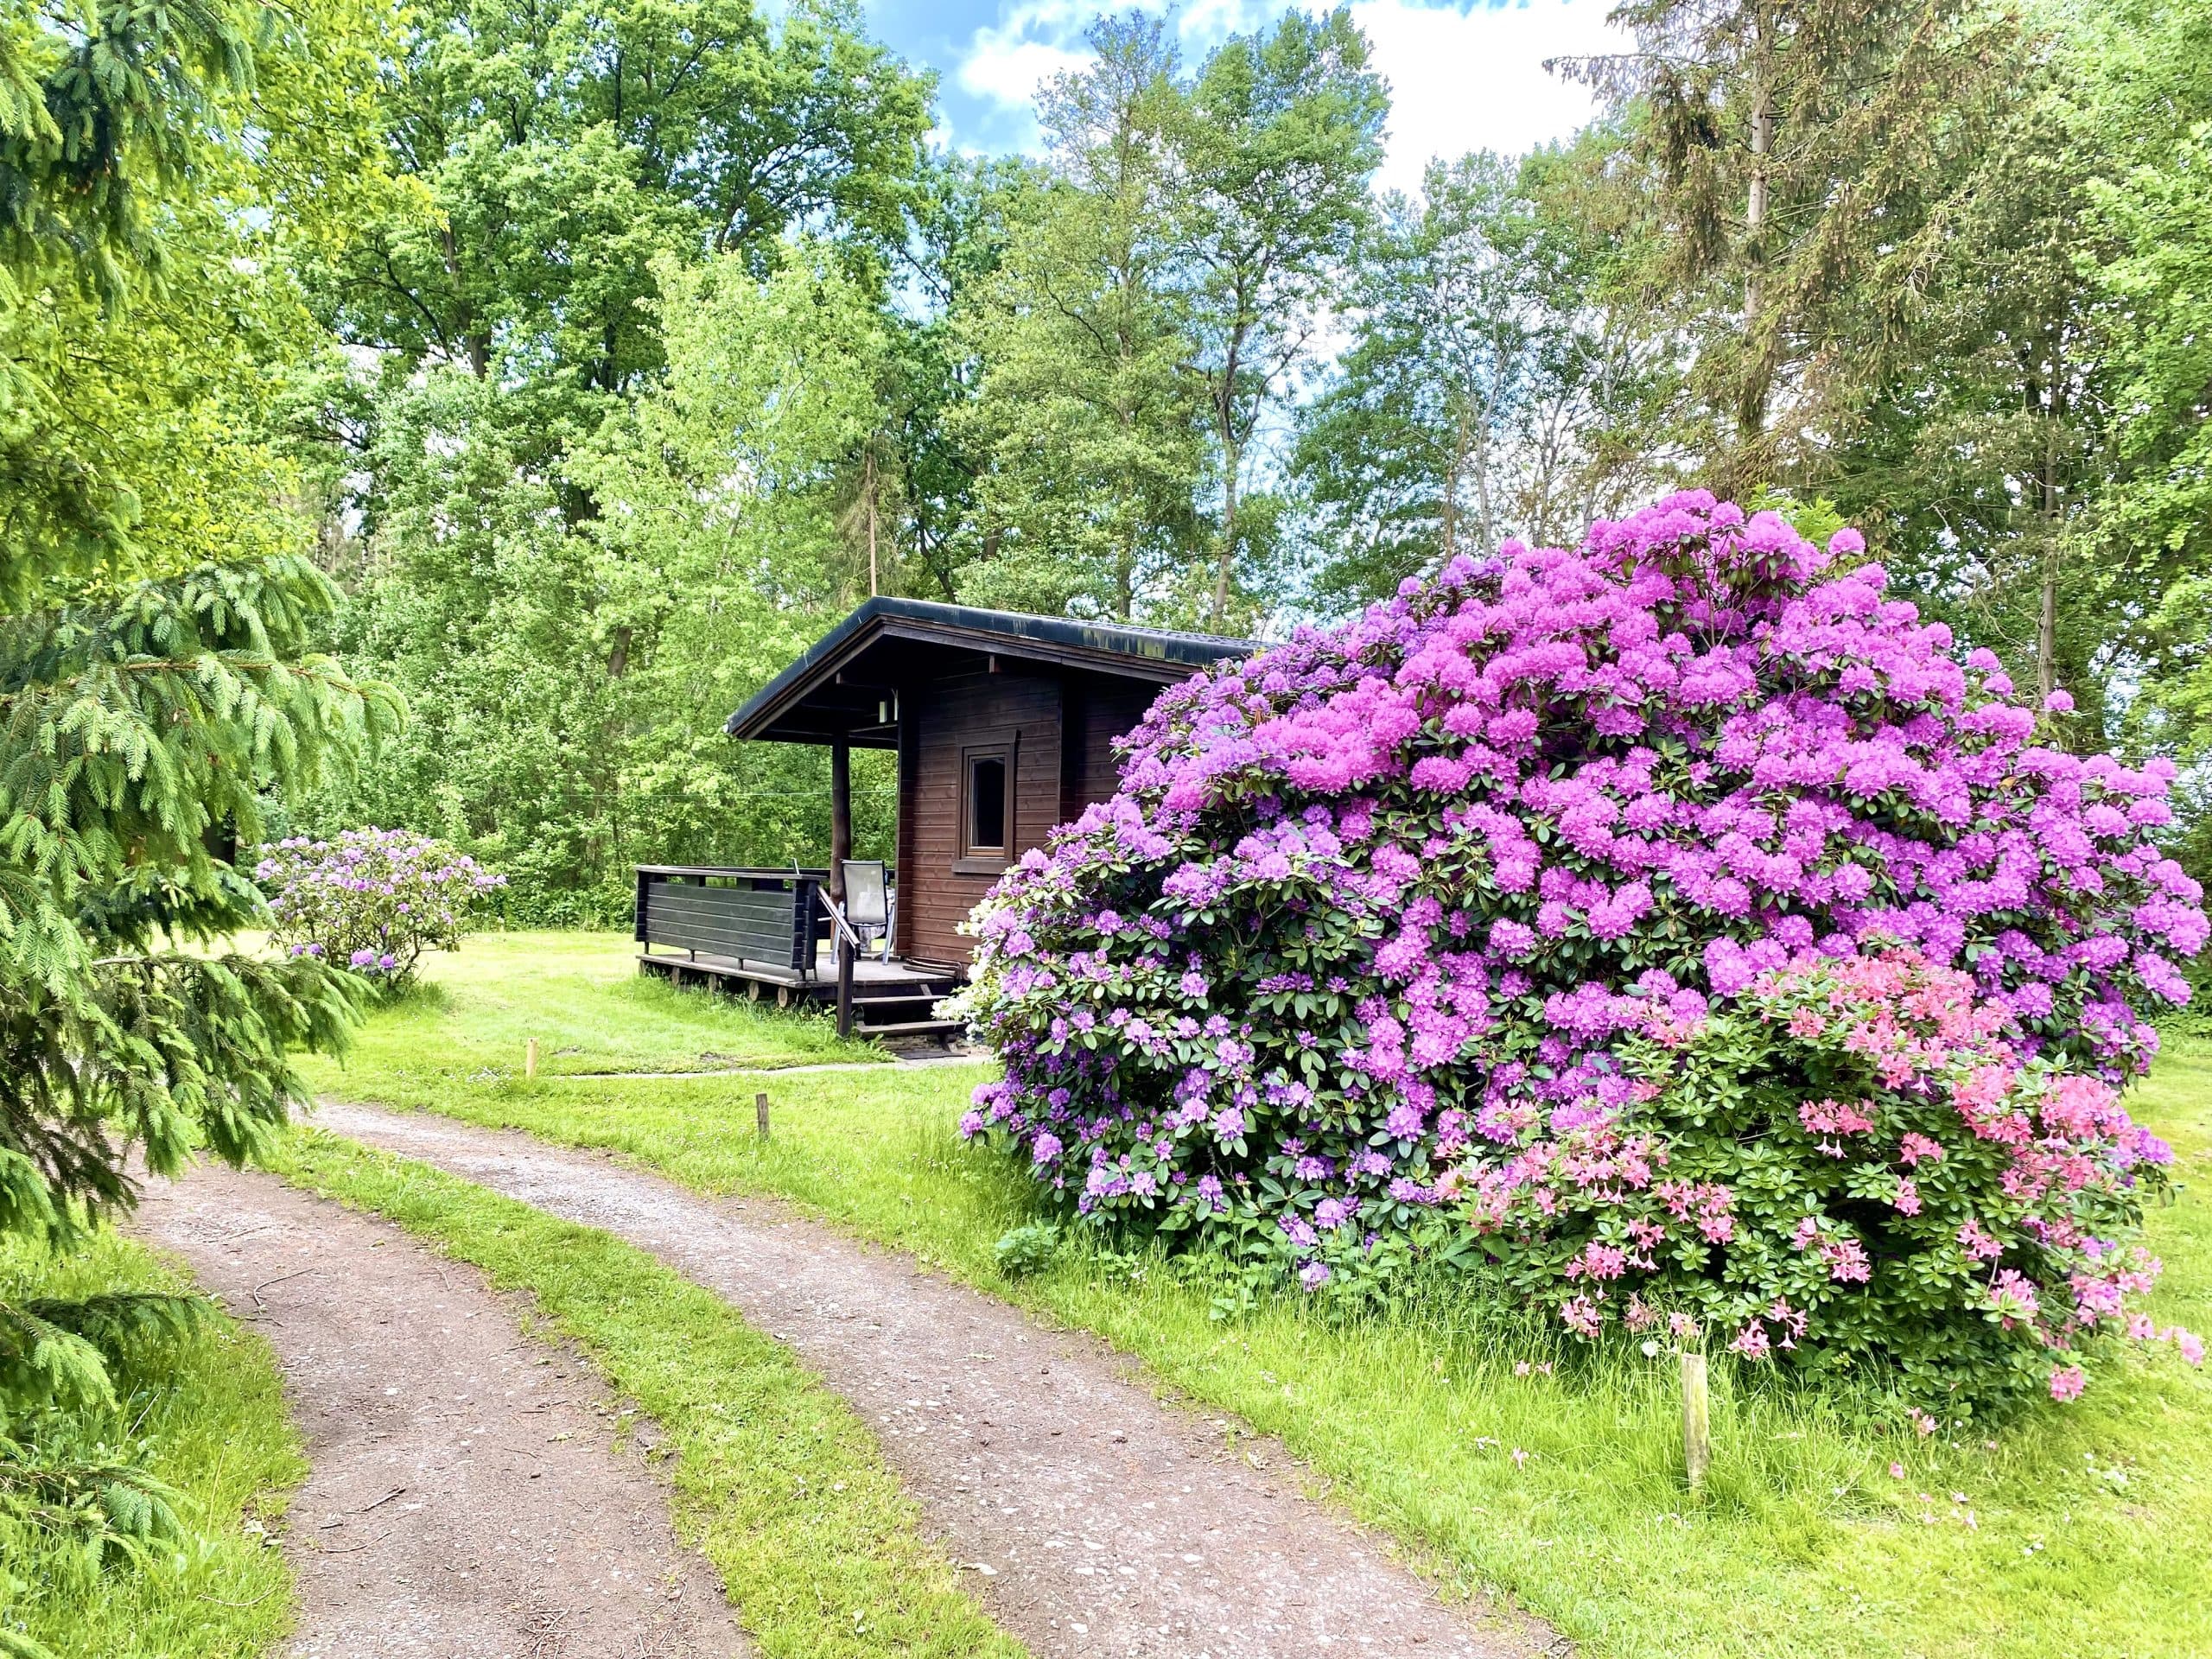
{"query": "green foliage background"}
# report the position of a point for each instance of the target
(442, 415)
(602, 356)
(652, 337)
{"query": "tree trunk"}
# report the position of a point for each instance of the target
(2047, 621)
(1478, 452)
(1755, 208)
(1751, 412)
(1450, 539)
(479, 343)
(868, 485)
(2047, 625)
(1232, 458)
(1125, 578)
(1232, 453)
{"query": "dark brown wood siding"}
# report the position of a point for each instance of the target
(1099, 708)
(902, 921)
(943, 715)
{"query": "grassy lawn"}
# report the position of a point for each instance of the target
(582, 997)
(774, 1477)
(207, 1414)
(2081, 1531)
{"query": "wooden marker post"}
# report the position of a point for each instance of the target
(530, 1059)
(1697, 1421)
(760, 1114)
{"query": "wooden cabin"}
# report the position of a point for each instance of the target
(1004, 726)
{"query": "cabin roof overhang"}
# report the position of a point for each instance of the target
(841, 684)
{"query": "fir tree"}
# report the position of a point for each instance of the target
(1807, 162)
(149, 706)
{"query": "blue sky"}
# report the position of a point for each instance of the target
(1463, 76)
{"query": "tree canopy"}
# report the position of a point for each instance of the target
(601, 355)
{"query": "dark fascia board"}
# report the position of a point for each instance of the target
(1105, 648)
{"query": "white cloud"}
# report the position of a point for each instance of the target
(1463, 80)
(1460, 80)
(1009, 62)
(1202, 24)
(1010, 72)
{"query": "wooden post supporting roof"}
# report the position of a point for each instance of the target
(840, 849)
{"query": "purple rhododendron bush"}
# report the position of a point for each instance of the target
(1673, 931)
(372, 899)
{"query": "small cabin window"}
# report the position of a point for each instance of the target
(987, 804)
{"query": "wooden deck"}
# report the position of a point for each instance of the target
(893, 999)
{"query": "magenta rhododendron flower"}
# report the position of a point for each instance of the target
(1600, 917)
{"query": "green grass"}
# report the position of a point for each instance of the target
(2091, 1525)
(774, 1477)
(582, 997)
(207, 1411)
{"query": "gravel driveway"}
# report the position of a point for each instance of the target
(1104, 1521)
(466, 1501)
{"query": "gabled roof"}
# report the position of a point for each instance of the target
(1154, 654)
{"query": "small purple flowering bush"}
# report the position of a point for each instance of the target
(372, 899)
(1672, 931)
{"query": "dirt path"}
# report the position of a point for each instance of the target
(465, 1501)
(1105, 1521)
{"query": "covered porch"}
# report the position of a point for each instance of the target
(1003, 726)
(758, 933)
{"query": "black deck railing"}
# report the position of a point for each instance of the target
(776, 917)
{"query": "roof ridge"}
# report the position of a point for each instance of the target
(1163, 653)
(1115, 623)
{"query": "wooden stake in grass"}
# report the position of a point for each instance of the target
(760, 1114)
(530, 1059)
(1697, 1421)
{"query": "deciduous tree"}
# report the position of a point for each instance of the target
(1094, 435)
(1492, 368)
(1271, 151)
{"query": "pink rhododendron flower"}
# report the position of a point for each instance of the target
(1915, 1149)
(1752, 1342)
(1579, 1315)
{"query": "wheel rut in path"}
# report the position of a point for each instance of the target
(465, 1501)
(1103, 1521)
